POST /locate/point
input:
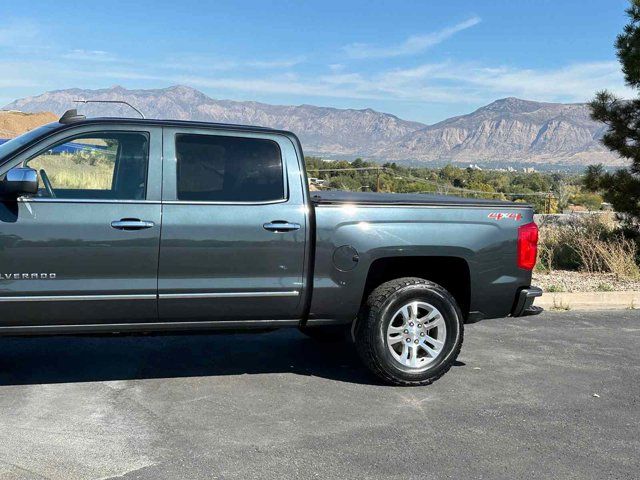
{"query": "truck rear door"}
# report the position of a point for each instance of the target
(234, 227)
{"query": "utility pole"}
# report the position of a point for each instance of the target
(378, 181)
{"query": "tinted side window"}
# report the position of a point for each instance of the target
(222, 168)
(103, 165)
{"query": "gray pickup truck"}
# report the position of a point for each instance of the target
(112, 225)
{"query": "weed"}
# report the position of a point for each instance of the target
(604, 287)
(560, 305)
(554, 288)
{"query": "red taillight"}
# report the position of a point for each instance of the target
(527, 245)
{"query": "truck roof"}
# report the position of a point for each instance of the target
(168, 122)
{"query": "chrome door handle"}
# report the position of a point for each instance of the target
(280, 226)
(131, 224)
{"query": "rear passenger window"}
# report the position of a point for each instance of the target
(222, 168)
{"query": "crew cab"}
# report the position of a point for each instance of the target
(112, 225)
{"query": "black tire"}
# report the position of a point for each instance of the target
(327, 333)
(371, 328)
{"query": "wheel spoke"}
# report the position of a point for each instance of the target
(414, 310)
(395, 339)
(413, 361)
(393, 329)
(405, 354)
(429, 350)
(431, 315)
(406, 313)
(435, 342)
(437, 321)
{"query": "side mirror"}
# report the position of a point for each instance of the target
(19, 181)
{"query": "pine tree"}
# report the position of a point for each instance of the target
(621, 188)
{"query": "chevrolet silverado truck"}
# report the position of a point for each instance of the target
(111, 225)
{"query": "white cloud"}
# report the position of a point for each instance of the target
(577, 82)
(90, 56)
(572, 83)
(448, 82)
(281, 63)
(413, 45)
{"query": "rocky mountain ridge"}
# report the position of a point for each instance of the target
(508, 130)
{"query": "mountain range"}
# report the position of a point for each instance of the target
(509, 130)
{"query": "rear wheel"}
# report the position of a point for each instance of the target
(410, 331)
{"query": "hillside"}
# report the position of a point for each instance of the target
(14, 123)
(328, 131)
(509, 130)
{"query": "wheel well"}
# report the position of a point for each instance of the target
(451, 273)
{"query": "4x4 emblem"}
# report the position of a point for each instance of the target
(504, 215)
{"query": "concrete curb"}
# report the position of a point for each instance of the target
(589, 301)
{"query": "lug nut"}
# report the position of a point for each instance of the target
(415, 341)
(422, 334)
(408, 340)
(419, 325)
(406, 331)
(411, 324)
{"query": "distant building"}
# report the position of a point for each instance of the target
(317, 182)
(529, 170)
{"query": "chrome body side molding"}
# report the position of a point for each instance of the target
(292, 293)
(75, 298)
(80, 298)
(115, 328)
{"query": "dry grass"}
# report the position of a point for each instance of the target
(73, 171)
(590, 244)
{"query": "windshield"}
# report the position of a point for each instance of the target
(14, 144)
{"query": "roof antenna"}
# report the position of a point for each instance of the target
(122, 102)
(71, 116)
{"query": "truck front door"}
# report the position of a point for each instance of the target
(234, 227)
(84, 250)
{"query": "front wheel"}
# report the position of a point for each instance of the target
(409, 332)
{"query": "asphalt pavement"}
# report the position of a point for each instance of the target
(554, 396)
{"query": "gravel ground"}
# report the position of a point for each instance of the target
(555, 396)
(569, 281)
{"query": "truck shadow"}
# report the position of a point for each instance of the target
(64, 359)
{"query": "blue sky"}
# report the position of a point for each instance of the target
(420, 60)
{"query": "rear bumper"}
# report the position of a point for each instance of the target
(524, 302)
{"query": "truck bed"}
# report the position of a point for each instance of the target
(462, 241)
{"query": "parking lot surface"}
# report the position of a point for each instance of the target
(552, 396)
